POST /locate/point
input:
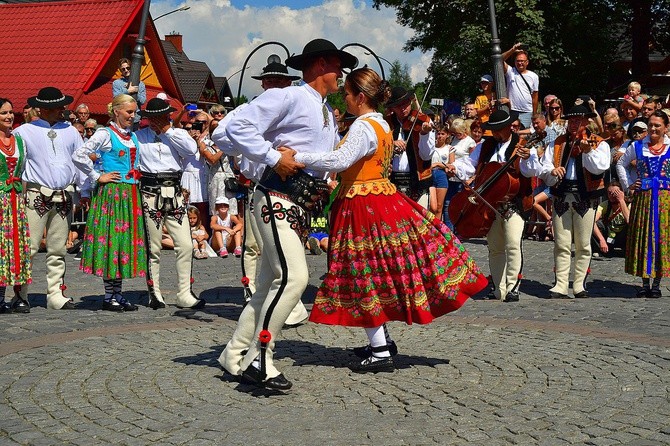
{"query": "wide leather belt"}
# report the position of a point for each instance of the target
(308, 192)
(172, 179)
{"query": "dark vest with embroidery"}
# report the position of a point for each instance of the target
(589, 186)
(418, 166)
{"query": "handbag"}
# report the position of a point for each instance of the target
(232, 185)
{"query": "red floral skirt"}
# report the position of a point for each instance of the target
(391, 260)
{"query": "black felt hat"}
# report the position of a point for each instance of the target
(398, 96)
(500, 119)
(50, 97)
(275, 69)
(578, 111)
(156, 107)
(318, 48)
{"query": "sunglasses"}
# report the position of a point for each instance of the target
(638, 131)
(217, 112)
(89, 129)
(555, 108)
(611, 125)
(201, 122)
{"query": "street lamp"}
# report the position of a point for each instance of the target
(380, 57)
(223, 88)
(183, 8)
(496, 57)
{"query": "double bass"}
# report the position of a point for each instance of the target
(473, 210)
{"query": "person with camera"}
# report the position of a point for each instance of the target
(194, 179)
(50, 177)
(162, 151)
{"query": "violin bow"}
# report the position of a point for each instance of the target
(425, 95)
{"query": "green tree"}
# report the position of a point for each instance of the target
(572, 43)
(399, 75)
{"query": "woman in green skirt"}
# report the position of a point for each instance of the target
(114, 245)
(648, 243)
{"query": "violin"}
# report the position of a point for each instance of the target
(591, 138)
(415, 121)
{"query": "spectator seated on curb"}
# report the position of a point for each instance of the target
(611, 222)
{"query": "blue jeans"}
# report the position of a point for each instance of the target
(454, 188)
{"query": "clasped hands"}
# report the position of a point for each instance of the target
(287, 165)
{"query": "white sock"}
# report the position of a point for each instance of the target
(377, 338)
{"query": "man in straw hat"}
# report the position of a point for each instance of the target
(162, 149)
(274, 75)
(504, 236)
(574, 167)
(274, 126)
(50, 178)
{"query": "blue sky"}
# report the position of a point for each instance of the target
(223, 32)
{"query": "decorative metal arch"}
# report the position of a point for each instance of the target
(244, 66)
(372, 53)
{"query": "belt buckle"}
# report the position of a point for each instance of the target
(168, 183)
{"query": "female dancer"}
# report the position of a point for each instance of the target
(14, 236)
(114, 245)
(389, 258)
(648, 241)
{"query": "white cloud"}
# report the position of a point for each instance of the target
(222, 35)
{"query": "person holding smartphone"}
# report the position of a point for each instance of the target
(122, 85)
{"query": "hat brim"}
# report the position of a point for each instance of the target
(260, 77)
(513, 116)
(407, 96)
(149, 113)
(297, 62)
(38, 103)
(579, 115)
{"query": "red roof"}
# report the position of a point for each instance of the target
(68, 44)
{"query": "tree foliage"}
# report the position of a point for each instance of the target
(572, 44)
(399, 75)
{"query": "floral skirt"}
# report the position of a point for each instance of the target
(114, 242)
(391, 260)
(638, 240)
(15, 266)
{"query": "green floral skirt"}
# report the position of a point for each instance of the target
(114, 243)
(641, 246)
(15, 266)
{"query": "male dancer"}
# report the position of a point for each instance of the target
(504, 237)
(162, 149)
(50, 178)
(274, 75)
(574, 167)
(291, 119)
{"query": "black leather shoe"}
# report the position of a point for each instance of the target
(366, 352)
(370, 365)
(582, 295)
(555, 295)
(5, 308)
(643, 292)
(155, 304)
(491, 295)
(112, 305)
(127, 306)
(20, 306)
(655, 293)
(69, 305)
(512, 296)
(253, 376)
(198, 305)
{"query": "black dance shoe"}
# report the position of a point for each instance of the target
(512, 296)
(373, 365)
(155, 304)
(582, 295)
(366, 352)
(112, 305)
(253, 376)
(5, 308)
(20, 306)
(555, 295)
(127, 306)
(643, 292)
(655, 293)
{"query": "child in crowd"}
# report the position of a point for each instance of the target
(226, 229)
(317, 242)
(198, 234)
(634, 98)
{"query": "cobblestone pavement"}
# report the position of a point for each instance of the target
(581, 371)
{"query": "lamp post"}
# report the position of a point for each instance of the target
(223, 88)
(496, 57)
(239, 86)
(138, 50)
(183, 8)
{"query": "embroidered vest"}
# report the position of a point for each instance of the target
(121, 159)
(12, 167)
(370, 174)
(588, 184)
